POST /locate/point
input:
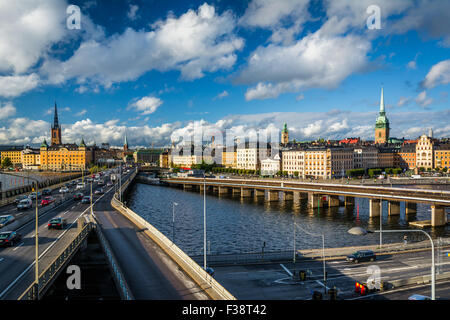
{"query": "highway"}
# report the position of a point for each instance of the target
(274, 280)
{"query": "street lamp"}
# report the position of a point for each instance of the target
(173, 221)
(323, 251)
(362, 232)
(204, 221)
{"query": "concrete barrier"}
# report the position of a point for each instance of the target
(214, 289)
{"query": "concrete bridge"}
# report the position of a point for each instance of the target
(319, 195)
(144, 263)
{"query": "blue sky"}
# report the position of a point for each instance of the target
(160, 69)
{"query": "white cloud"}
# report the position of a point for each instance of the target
(131, 14)
(13, 86)
(439, 74)
(315, 61)
(146, 105)
(221, 95)
(422, 99)
(7, 110)
(81, 113)
(194, 43)
(300, 97)
(412, 65)
(403, 101)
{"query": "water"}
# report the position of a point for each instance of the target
(238, 226)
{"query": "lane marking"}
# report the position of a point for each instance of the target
(286, 269)
(1, 259)
(18, 246)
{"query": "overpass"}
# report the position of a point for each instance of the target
(144, 263)
(321, 194)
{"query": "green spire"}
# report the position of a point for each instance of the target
(82, 144)
(285, 130)
(44, 144)
(125, 143)
(382, 120)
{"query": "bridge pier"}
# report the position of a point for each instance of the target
(333, 201)
(272, 196)
(438, 216)
(235, 191)
(298, 196)
(393, 208)
(187, 186)
(258, 193)
(315, 200)
(349, 201)
(374, 208)
(410, 208)
(222, 190)
(287, 196)
(246, 193)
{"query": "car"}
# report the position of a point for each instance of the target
(47, 200)
(109, 184)
(25, 204)
(57, 223)
(9, 238)
(89, 180)
(101, 182)
(418, 297)
(78, 196)
(86, 199)
(32, 195)
(99, 191)
(79, 186)
(5, 220)
(362, 255)
(20, 198)
(63, 190)
(46, 192)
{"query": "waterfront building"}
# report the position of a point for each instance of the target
(14, 153)
(317, 163)
(284, 135)
(386, 157)
(229, 157)
(424, 152)
(341, 161)
(147, 156)
(249, 155)
(442, 156)
(365, 157)
(31, 159)
(293, 161)
(65, 157)
(271, 166)
(164, 161)
(407, 156)
(382, 124)
(186, 156)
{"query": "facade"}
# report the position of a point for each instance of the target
(229, 155)
(284, 135)
(150, 156)
(424, 152)
(386, 157)
(407, 157)
(382, 124)
(164, 161)
(271, 166)
(249, 156)
(365, 157)
(56, 130)
(14, 153)
(341, 161)
(293, 161)
(31, 159)
(442, 156)
(65, 157)
(186, 156)
(317, 163)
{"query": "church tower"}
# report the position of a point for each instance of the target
(125, 143)
(56, 130)
(285, 135)
(382, 123)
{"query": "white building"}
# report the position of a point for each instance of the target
(271, 166)
(424, 152)
(293, 161)
(249, 156)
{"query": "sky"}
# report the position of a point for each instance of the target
(158, 71)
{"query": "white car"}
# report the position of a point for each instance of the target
(79, 186)
(63, 190)
(25, 204)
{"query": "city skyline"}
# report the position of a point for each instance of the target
(209, 76)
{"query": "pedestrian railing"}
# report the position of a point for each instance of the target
(124, 290)
(52, 270)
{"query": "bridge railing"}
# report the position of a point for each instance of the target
(121, 284)
(214, 289)
(53, 269)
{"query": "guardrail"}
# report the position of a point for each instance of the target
(125, 292)
(48, 274)
(214, 289)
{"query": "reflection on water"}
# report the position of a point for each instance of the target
(236, 225)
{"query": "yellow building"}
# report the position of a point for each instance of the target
(14, 153)
(229, 157)
(31, 159)
(65, 157)
(424, 152)
(442, 156)
(164, 160)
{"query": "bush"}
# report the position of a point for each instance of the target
(355, 172)
(374, 172)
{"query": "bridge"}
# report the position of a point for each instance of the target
(144, 263)
(323, 194)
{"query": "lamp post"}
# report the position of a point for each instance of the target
(361, 232)
(204, 221)
(173, 221)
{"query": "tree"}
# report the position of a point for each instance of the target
(6, 162)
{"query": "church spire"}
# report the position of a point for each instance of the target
(382, 101)
(55, 119)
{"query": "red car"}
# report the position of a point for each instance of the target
(47, 201)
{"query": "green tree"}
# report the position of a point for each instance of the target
(6, 162)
